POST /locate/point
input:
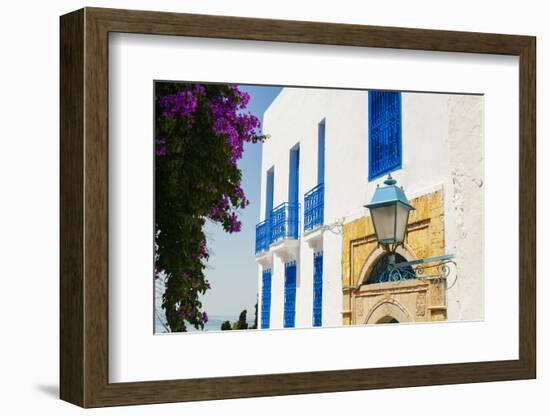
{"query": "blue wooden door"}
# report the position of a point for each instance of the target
(318, 288)
(290, 295)
(266, 298)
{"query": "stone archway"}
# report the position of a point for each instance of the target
(422, 299)
(387, 302)
(387, 310)
(373, 258)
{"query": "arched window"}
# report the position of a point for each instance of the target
(380, 274)
(387, 320)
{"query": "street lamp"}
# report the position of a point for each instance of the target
(389, 210)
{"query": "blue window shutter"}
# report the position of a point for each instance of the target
(318, 288)
(385, 153)
(290, 295)
(294, 175)
(270, 179)
(266, 298)
(321, 153)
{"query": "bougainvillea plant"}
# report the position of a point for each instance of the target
(200, 132)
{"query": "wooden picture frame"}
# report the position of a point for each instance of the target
(84, 207)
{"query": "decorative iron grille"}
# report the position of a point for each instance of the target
(317, 288)
(384, 132)
(290, 295)
(266, 298)
(314, 203)
(263, 236)
(381, 272)
(285, 221)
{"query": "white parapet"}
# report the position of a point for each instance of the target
(287, 249)
(265, 259)
(314, 238)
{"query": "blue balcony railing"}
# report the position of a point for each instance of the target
(263, 236)
(285, 221)
(314, 207)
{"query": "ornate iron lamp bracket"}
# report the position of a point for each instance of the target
(416, 269)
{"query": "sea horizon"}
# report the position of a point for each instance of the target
(213, 325)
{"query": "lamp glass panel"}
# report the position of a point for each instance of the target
(384, 223)
(402, 216)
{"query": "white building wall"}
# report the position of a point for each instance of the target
(293, 118)
(332, 280)
(464, 202)
(277, 293)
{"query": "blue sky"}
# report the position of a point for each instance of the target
(232, 268)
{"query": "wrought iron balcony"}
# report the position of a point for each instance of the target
(263, 236)
(285, 221)
(314, 207)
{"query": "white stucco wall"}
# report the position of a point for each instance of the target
(439, 151)
(464, 203)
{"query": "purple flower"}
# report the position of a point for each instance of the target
(204, 317)
(217, 211)
(230, 123)
(239, 193)
(161, 149)
(244, 97)
(237, 127)
(199, 89)
(182, 104)
(202, 250)
(234, 223)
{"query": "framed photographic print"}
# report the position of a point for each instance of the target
(256, 207)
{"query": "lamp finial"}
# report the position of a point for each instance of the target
(389, 180)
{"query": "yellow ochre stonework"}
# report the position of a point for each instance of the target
(412, 300)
